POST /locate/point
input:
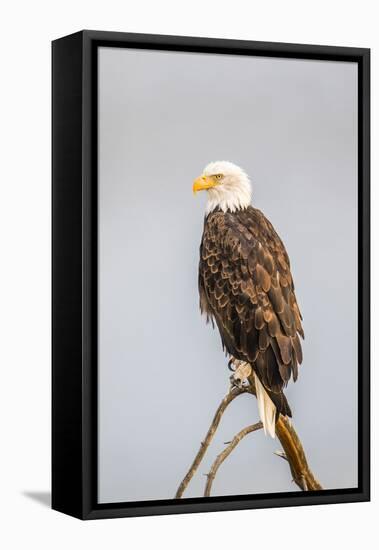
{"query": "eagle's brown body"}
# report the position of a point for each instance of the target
(246, 286)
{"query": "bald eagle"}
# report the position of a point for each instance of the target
(246, 287)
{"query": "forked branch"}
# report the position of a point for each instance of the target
(231, 395)
(292, 447)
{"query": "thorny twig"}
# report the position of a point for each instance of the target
(226, 452)
(230, 396)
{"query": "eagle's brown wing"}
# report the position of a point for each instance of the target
(245, 284)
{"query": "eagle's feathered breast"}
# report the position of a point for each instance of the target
(246, 286)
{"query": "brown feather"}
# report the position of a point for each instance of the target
(259, 321)
(263, 339)
(297, 347)
(284, 343)
(263, 278)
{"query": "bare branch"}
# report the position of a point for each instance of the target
(226, 452)
(294, 452)
(231, 395)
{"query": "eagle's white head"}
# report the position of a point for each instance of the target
(227, 185)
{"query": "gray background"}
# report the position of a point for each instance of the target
(292, 125)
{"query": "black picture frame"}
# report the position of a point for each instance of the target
(74, 273)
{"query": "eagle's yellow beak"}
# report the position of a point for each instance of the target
(204, 182)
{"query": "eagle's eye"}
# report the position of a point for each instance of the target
(218, 176)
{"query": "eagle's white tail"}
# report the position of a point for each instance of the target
(266, 408)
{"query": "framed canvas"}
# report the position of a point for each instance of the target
(148, 397)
